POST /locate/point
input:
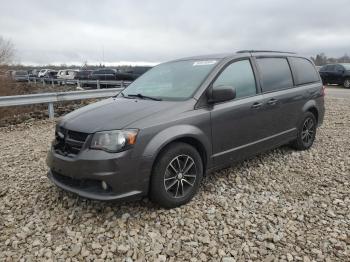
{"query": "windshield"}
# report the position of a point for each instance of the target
(172, 81)
(347, 66)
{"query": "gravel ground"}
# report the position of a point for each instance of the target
(282, 205)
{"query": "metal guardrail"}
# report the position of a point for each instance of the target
(79, 83)
(51, 98)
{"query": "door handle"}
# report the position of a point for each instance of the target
(256, 105)
(272, 102)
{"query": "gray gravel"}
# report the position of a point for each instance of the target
(282, 205)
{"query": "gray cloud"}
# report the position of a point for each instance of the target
(154, 31)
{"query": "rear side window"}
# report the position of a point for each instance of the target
(240, 76)
(275, 74)
(331, 68)
(304, 71)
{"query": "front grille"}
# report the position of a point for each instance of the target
(68, 142)
(88, 185)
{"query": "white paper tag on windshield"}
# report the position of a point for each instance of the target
(202, 63)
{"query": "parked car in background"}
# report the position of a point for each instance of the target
(133, 73)
(43, 72)
(104, 74)
(83, 75)
(21, 76)
(50, 76)
(184, 119)
(33, 73)
(338, 74)
(66, 75)
(61, 73)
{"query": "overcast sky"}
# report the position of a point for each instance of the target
(158, 30)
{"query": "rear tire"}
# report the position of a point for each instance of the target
(346, 83)
(176, 175)
(306, 132)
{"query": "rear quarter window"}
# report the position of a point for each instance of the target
(304, 71)
(275, 74)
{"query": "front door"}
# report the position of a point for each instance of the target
(238, 124)
(331, 74)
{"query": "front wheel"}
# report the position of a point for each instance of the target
(306, 132)
(176, 176)
(346, 83)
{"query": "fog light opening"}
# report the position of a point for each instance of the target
(104, 185)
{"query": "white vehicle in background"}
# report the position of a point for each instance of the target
(43, 72)
(67, 74)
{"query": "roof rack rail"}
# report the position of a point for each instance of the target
(263, 51)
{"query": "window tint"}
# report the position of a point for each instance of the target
(304, 71)
(275, 74)
(239, 75)
(331, 68)
(339, 68)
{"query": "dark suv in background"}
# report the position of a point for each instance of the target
(116, 75)
(338, 74)
(184, 119)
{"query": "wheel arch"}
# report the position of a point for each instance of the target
(186, 134)
(311, 106)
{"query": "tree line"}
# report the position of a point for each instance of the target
(322, 59)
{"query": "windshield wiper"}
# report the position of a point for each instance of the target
(144, 97)
(120, 93)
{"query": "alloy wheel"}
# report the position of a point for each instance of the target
(308, 131)
(347, 83)
(180, 176)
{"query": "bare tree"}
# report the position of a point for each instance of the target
(7, 51)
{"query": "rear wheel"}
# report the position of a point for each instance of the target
(176, 176)
(346, 83)
(306, 132)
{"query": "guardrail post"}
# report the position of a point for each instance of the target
(51, 111)
(53, 82)
(78, 83)
(121, 84)
(28, 79)
(35, 81)
(43, 82)
(98, 84)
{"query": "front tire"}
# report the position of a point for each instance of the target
(306, 132)
(346, 83)
(176, 175)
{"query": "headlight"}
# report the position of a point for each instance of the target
(114, 140)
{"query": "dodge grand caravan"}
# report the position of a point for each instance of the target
(183, 119)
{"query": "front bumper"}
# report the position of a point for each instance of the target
(127, 177)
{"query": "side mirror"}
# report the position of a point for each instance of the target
(221, 94)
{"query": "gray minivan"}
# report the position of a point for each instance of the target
(183, 119)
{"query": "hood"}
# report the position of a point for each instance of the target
(112, 113)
